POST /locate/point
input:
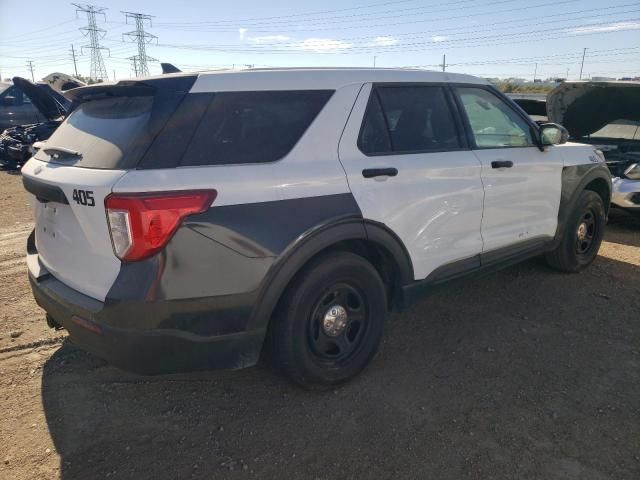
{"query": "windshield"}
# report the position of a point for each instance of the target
(3, 87)
(619, 129)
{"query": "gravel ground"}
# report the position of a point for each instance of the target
(526, 373)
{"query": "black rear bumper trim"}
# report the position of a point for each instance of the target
(148, 352)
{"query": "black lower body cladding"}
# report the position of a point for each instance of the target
(193, 306)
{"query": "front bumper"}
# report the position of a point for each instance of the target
(626, 193)
(144, 351)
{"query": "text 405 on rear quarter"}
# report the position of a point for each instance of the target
(188, 221)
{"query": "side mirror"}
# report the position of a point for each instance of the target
(8, 101)
(553, 134)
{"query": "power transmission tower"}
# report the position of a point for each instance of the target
(98, 70)
(140, 66)
(73, 56)
(30, 66)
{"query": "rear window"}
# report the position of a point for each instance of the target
(107, 132)
(253, 127)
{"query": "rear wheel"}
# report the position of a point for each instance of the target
(329, 324)
(583, 235)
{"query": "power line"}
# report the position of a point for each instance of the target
(98, 70)
(482, 40)
(323, 20)
(142, 38)
(332, 24)
(309, 13)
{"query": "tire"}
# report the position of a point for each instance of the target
(310, 346)
(582, 237)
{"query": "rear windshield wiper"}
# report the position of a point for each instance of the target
(60, 152)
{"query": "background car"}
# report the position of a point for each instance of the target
(16, 142)
(607, 116)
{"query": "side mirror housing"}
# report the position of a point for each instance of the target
(8, 101)
(553, 134)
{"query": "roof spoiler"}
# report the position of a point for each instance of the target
(125, 88)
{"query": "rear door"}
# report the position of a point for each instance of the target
(522, 183)
(70, 178)
(409, 168)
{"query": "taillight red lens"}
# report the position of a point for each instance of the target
(141, 224)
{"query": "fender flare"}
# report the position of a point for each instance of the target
(312, 242)
(574, 180)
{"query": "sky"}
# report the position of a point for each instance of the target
(490, 38)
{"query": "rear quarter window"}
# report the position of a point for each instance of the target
(253, 127)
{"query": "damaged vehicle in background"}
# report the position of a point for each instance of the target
(607, 116)
(32, 113)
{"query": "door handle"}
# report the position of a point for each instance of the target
(501, 164)
(379, 172)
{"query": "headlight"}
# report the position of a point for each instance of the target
(633, 172)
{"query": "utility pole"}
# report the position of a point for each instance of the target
(98, 70)
(134, 61)
(374, 61)
(73, 56)
(567, 77)
(30, 66)
(444, 63)
(141, 38)
(535, 71)
(584, 52)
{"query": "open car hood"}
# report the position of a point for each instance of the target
(584, 108)
(61, 82)
(42, 98)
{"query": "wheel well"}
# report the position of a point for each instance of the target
(377, 255)
(601, 187)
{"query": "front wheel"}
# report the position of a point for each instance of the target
(329, 323)
(583, 235)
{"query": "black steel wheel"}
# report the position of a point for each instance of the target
(587, 232)
(329, 323)
(338, 323)
(583, 233)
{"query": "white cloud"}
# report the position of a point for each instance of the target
(383, 41)
(322, 45)
(612, 27)
(269, 39)
(439, 38)
(242, 32)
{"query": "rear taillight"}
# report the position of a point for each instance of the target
(141, 224)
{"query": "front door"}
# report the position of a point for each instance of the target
(522, 183)
(409, 167)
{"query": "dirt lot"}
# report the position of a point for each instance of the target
(522, 374)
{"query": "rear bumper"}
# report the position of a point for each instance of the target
(626, 193)
(144, 351)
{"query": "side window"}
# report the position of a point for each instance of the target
(408, 119)
(253, 127)
(493, 122)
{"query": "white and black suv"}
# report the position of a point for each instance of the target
(184, 222)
